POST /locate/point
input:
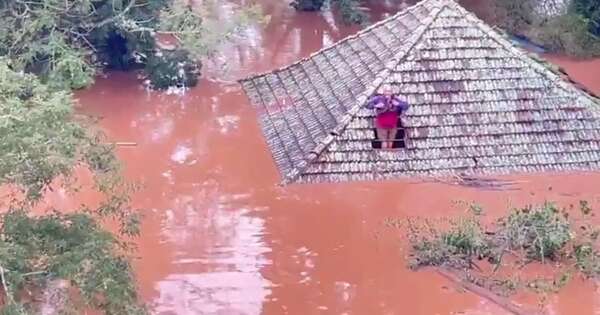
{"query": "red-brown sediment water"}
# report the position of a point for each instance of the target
(220, 236)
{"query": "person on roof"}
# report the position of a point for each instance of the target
(388, 107)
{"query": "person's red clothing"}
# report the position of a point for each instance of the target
(387, 120)
(387, 109)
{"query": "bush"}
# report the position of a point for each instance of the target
(352, 11)
(587, 260)
(308, 5)
(71, 247)
(573, 31)
(532, 233)
(41, 141)
(568, 33)
(541, 231)
(464, 242)
(172, 68)
(590, 11)
(515, 16)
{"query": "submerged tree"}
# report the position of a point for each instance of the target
(199, 30)
(352, 11)
(568, 26)
(41, 146)
(47, 48)
(590, 11)
(308, 5)
(564, 238)
(66, 41)
(560, 26)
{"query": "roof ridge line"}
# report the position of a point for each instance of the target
(527, 57)
(345, 39)
(377, 81)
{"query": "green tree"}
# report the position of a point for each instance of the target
(573, 31)
(65, 42)
(352, 11)
(308, 5)
(41, 144)
(53, 47)
(564, 239)
(200, 31)
(589, 10)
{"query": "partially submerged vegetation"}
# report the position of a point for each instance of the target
(573, 29)
(572, 26)
(42, 144)
(352, 11)
(562, 238)
(67, 42)
(65, 258)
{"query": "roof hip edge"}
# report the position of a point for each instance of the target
(362, 98)
(345, 39)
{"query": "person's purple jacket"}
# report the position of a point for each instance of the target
(379, 104)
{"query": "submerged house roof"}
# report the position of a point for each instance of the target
(478, 104)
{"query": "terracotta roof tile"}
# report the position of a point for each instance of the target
(478, 104)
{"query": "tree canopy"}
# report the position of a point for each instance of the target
(41, 144)
(574, 31)
(352, 11)
(53, 47)
(65, 42)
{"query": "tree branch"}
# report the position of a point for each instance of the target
(116, 17)
(84, 38)
(482, 292)
(5, 286)
(33, 273)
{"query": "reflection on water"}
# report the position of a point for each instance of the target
(181, 153)
(161, 131)
(220, 236)
(211, 230)
(228, 122)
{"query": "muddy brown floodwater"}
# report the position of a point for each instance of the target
(221, 237)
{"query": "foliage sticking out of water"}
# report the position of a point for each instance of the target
(542, 234)
(172, 69)
(307, 5)
(42, 146)
(351, 11)
(573, 30)
(73, 248)
(457, 246)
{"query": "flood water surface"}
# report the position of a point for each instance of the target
(220, 236)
